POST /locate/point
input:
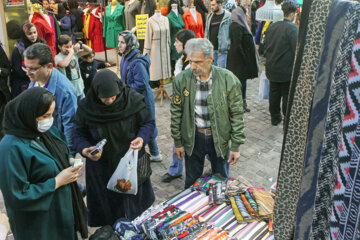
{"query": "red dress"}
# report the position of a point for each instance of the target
(45, 31)
(190, 23)
(95, 31)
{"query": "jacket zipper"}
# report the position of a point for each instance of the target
(217, 131)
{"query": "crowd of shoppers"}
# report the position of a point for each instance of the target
(65, 107)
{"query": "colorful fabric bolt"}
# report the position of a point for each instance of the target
(242, 208)
(251, 200)
(265, 203)
(235, 208)
(248, 207)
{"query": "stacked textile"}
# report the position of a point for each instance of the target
(192, 215)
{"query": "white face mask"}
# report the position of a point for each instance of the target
(44, 125)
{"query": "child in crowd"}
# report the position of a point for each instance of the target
(88, 68)
(67, 62)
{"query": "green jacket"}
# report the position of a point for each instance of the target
(27, 181)
(176, 24)
(114, 23)
(225, 108)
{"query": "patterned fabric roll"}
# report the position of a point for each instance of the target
(242, 208)
(236, 229)
(193, 195)
(262, 234)
(265, 203)
(228, 217)
(246, 230)
(255, 231)
(251, 200)
(248, 206)
(235, 208)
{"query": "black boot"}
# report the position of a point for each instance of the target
(246, 109)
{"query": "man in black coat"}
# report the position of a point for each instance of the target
(280, 46)
(5, 95)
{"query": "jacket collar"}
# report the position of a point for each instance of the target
(52, 81)
(173, 15)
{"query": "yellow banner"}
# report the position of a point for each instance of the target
(141, 25)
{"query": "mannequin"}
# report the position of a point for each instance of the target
(44, 29)
(132, 8)
(194, 22)
(114, 23)
(157, 45)
(176, 24)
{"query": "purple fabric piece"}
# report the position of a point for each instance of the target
(220, 214)
(187, 199)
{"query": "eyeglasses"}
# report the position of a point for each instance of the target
(31, 71)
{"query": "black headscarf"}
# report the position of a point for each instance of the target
(20, 120)
(113, 122)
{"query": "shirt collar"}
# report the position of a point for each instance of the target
(207, 80)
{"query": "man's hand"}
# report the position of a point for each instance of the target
(86, 153)
(233, 157)
(137, 143)
(180, 152)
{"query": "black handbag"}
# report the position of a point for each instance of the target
(143, 168)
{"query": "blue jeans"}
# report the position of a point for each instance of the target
(176, 167)
(220, 59)
(194, 164)
(153, 147)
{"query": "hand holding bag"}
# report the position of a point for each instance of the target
(125, 178)
(264, 86)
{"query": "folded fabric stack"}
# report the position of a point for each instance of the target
(192, 214)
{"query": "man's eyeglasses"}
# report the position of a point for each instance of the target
(31, 71)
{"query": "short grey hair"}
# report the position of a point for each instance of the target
(199, 45)
(39, 51)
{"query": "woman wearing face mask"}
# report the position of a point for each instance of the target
(18, 79)
(119, 114)
(176, 167)
(41, 197)
(134, 70)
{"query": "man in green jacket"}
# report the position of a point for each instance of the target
(206, 113)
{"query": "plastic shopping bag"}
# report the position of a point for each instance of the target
(264, 86)
(124, 179)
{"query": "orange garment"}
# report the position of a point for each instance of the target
(164, 11)
(190, 23)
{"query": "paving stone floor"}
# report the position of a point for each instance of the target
(260, 154)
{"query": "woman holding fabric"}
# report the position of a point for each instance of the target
(242, 57)
(19, 81)
(114, 112)
(38, 184)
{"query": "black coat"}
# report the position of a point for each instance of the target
(5, 95)
(241, 59)
(280, 47)
(19, 81)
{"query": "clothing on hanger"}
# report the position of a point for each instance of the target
(95, 30)
(114, 23)
(44, 31)
(195, 26)
(132, 8)
(176, 24)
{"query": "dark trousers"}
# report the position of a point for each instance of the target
(243, 88)
(279, 91)
(194, 164)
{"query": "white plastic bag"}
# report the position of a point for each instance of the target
(264, 86)
(124, 179)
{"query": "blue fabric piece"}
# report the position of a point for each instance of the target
(122, 225)
(258, 32)
(65, 26)
(66, 104)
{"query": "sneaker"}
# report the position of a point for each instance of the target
(168, 178)
(156, 158)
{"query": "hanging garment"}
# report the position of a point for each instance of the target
(44, 31)
(86, 20)
(326, 117)
(132, 8)
(157, 45)
(342, 187)
(148, 7)
(96, 29)
(195, 26)
(114, 23)
(176, 24)
(293, 151)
